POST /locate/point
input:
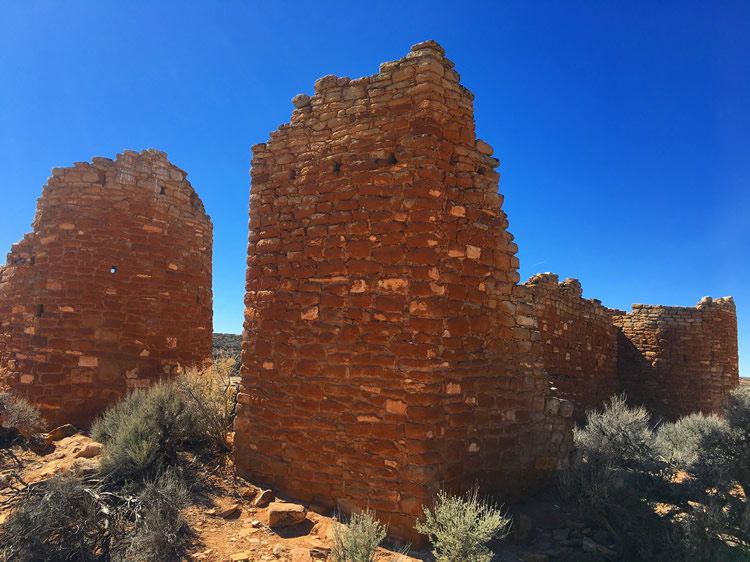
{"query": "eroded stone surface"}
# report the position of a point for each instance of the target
(111, 290)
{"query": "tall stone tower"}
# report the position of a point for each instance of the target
(111, 290)
(387, 349)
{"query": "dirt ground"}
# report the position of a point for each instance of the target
(231, 524)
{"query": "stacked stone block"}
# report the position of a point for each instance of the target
(579, 341)
(388, 350)
(111, 290)
(677, 360)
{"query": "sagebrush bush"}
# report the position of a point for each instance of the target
(19, 413)
(213, 395)
(147, 432)
(620, 433)
(153, 527)
(594, 483)
(724, 451)
(358, 540)
(678, 443)
(60, 520)
(460, 527)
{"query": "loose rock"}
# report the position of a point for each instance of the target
(285, 514)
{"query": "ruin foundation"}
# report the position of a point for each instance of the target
(111, 290)
(388, 350)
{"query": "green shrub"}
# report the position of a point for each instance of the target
(144, 435)
(59, 520)
(358, 540)
(19, 413)
(150, 429)
(619, 433)
(459, 528)
(724, 451)
(677, 443)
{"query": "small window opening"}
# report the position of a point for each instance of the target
(162, 190)
(392, 160)
(453, 160)
(113, 270)
(481, 171)
(293, 175)
(39, 311)
(337, 167)
(197, 300)
(32, 261)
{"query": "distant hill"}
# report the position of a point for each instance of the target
(744, 380)
(230, 344)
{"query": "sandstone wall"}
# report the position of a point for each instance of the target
(678, 360)
(111, 290)
(387, 348)
(579, 341)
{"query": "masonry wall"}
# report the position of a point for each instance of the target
(579, 341)
(111, 290)
(678, 360)
(388, 350)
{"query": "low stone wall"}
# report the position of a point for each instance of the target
(111, 290)
(673, 360)
(579, 341)
(677, 360)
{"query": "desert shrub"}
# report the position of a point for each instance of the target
(59, 520)
(677, 443)
(724, 451)
(620, 433)
(459, 528)
(212, 394)
(358, 540)
(19, 413)
(152, 527)
(146, 436)
(106, 427)
(592, 483)
(149, 430)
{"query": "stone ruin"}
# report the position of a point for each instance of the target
(111, 290)
(388, 349)
(671, 359)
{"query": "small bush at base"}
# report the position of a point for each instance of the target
(146, 433)
(211, 392)
(358, 540)
(19, 413)
(620, 433)
(61, 521)
(677, 443)
(153, 528)
(459, 528)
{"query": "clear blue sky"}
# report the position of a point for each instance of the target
(623, 128)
